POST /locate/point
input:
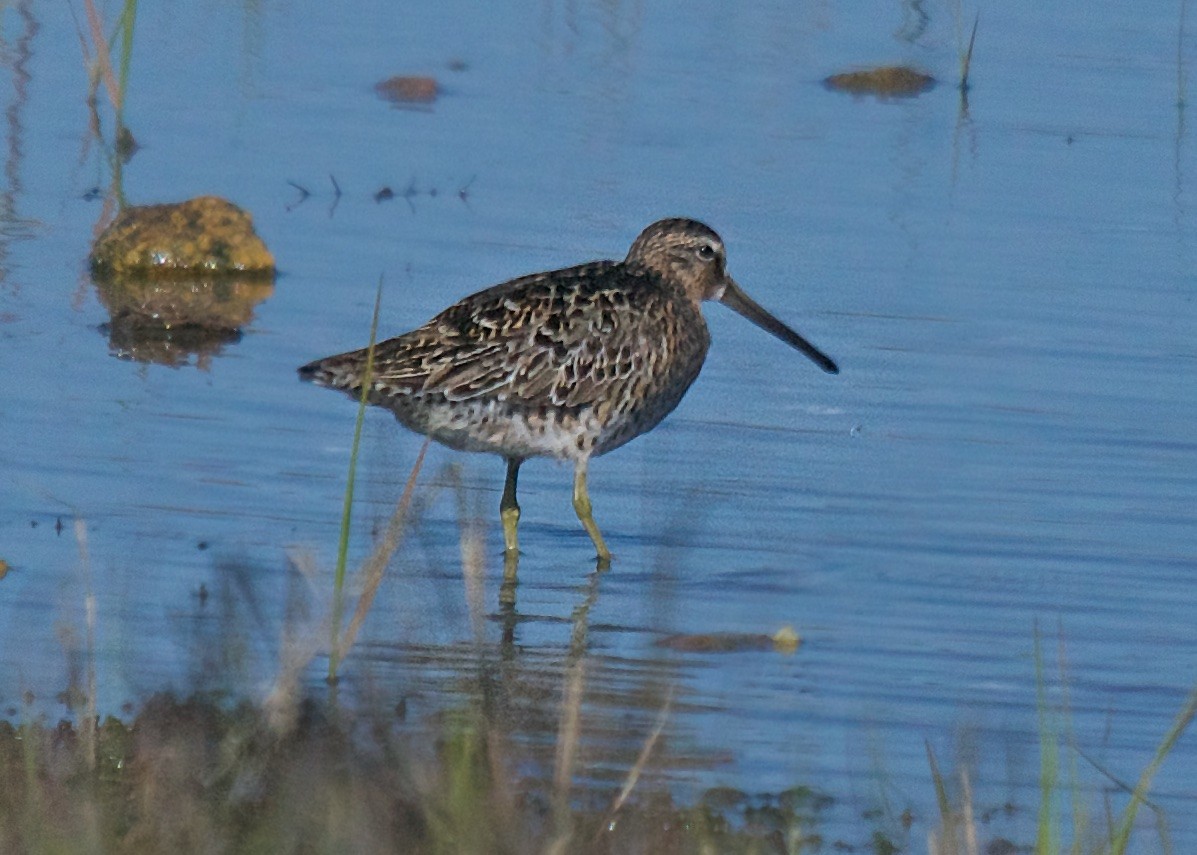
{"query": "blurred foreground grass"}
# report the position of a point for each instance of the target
(203, 775)
(195, 776)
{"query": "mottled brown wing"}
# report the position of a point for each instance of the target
(562, 338)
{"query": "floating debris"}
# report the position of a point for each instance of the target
(207, 235)
(887, 81)
(126, 145)
(785, 640)
(408, 90)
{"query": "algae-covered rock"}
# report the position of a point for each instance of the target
(206, 235)
(890, 81)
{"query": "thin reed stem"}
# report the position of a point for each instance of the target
(334, 659)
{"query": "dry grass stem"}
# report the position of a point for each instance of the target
(102, 67)
(645, 751)
(372, 570)
(473, 563)
(473, 571)
(567, 734)
(88, 726)
(298, 649)
(968, 820)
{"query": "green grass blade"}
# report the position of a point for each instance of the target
(1126, 823)
(334, 659)
(947, 823)
(941, 790)
(1073, 751)
(127, 20)
(1046, 839)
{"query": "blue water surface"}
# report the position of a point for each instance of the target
(1007, 283)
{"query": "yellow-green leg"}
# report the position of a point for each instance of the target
(509, 509)
(582, 507)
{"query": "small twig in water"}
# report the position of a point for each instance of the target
(410, 192)
(303, 195)
(372, 570)
(966, 61)
(638, 767)
(336, 195)
(463, 192)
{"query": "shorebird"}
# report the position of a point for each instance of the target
(568, 364)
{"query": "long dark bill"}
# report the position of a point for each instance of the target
(736, 300)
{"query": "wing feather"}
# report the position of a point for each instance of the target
(570, 338)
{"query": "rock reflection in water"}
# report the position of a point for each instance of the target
(169, 321)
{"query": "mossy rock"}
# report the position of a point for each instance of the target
(205, 235)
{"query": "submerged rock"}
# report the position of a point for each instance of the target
(205, 235)
(887, 81)
(785, 640)
(408, 90)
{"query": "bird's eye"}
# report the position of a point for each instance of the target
(706, 252)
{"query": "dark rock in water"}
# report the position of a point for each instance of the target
(785, 640)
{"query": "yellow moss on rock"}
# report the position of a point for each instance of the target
(202, 235)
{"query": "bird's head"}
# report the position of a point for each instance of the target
(691, 254)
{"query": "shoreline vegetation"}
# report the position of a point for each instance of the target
(311, 769)
(203, 774)
(196, 776)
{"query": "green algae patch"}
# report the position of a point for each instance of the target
(206, 235)
(887, 81)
